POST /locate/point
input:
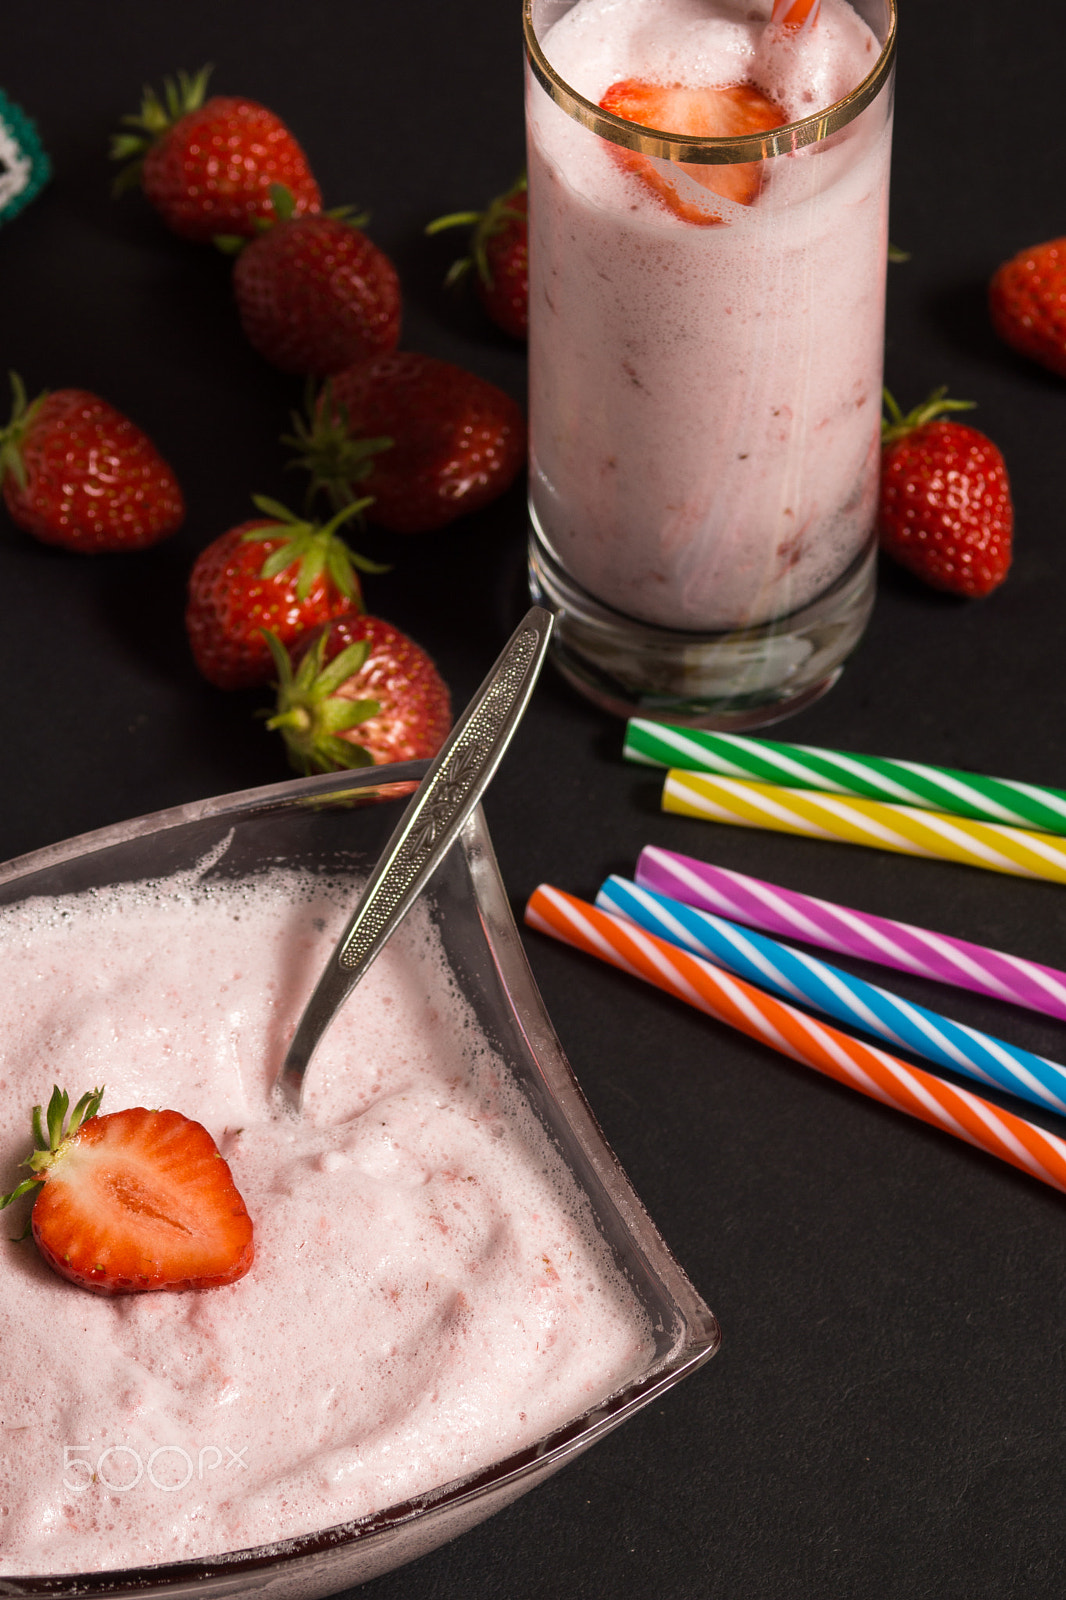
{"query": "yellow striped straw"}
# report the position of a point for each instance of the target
(906, 829)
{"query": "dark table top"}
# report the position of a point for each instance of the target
(886, 1414)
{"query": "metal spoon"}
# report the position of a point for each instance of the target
(425, 833)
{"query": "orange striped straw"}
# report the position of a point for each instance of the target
(815, 1044)
(796, 13)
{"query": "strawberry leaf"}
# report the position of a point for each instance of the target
(283, 201)
(19, 1190)
(311, 569)
(281, 558)
(327, 680)
(333, 754)
(282, 663)
(274, 508)
(180, 95)
(311, 715)
(50, 1132)
(895, 425)
(57, 1110)
(336, 462)
(23, 413)
(338, 715)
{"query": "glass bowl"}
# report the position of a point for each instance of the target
(339, 823)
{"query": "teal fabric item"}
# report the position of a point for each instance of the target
(24, 164)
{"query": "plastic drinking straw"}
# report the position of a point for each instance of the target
(871, 822)
(854, 933)
(814, 1044)
(796, 13)
(795, 976)
(800, 766)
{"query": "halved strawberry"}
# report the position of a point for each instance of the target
(132, 1201)
(729, 111)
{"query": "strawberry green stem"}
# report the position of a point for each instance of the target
(455, 219)
(51, 1131)
(485, 224)
(310, 715)
(23, 415)
(181, 94)
(897, 426)
(283, 205)
(335, 460)
(316, 548)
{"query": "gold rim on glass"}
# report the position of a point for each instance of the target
(709, 152)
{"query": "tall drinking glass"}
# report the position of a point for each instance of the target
(706, 344)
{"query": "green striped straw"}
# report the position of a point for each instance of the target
(799, 766)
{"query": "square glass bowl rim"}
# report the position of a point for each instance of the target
(696, 1335)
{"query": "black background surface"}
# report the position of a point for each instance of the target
(886, 1415)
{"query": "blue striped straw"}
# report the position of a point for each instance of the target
(795, 976)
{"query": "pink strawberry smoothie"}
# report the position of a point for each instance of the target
(705, 400)
(428, 1294)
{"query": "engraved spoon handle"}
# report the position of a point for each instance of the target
(425, 833)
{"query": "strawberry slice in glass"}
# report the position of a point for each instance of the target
(726, 112)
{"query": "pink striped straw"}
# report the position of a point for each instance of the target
(783, 912)
(860, 1066)
(796, 13)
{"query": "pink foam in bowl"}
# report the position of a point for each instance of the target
(368, 1140)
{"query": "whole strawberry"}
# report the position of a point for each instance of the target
(207, 166)
(79, 474)
(499, 256)
(134, 1201)
(314, 294)
(945, 509)
(426, 440)
(1027, 302)
(356, 692)
(275, 572)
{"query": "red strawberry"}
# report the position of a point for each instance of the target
(77, 473)
(314, 294)
(728, 112)
(132, 1201)
(358, 691)
(500, 255)
(207, 167)
(428, 441)
(274, 572)
(1027, 301)
(945, 510)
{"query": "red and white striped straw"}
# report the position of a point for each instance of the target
(796, 13)
(815, 1044)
